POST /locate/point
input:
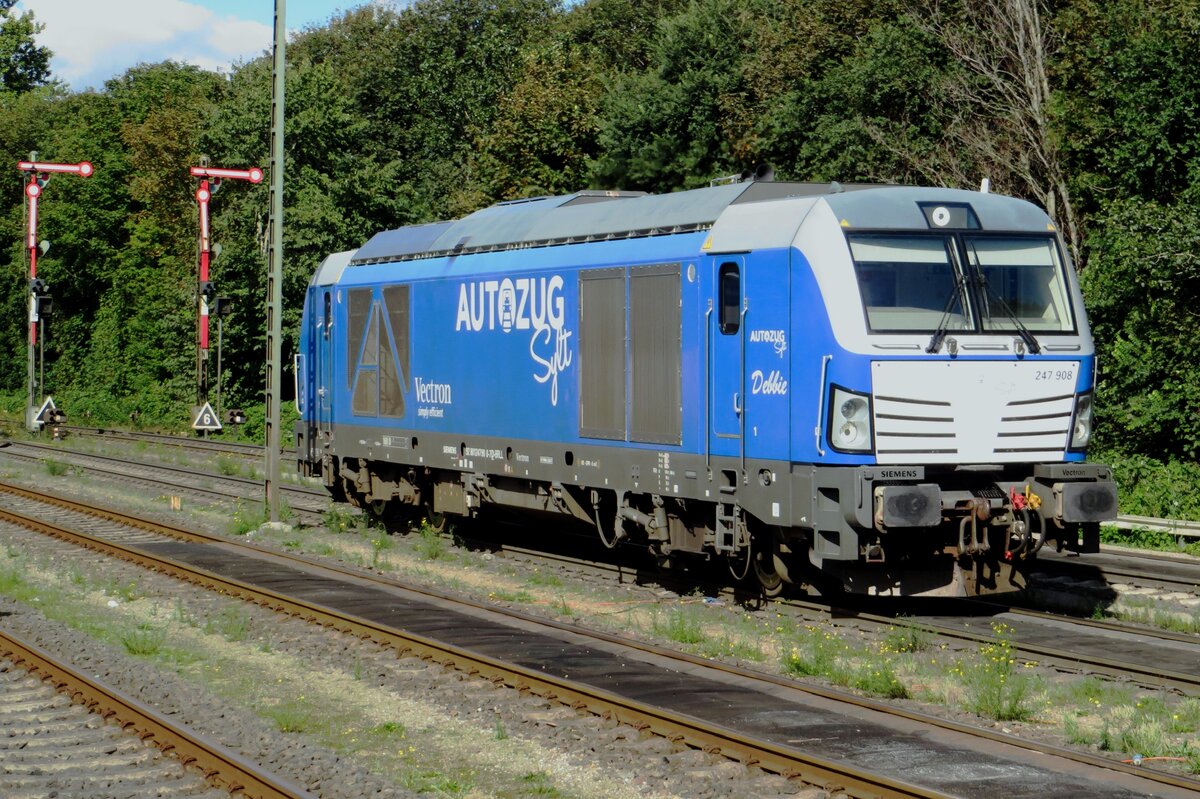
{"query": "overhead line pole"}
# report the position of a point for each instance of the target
(275, 266)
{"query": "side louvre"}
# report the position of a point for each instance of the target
(655, 353)
(602, 353)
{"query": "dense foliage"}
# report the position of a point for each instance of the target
(1090, 108)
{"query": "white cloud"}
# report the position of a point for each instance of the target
(93, 41)
(238, 37)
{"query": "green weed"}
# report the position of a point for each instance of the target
(294, 716)
(537, 783)
(994, 688)
(55, 468)
(815, 657)
(247, 520)
(338, 520)
(544, 580)
(389, 729)
(232, 623)
(522, 597)
(126, 591)
(906, 637)
(879, 679)
(230, 467)
(145, 640)
(681, 626)
(430, 545)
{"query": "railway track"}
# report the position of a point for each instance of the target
(307, 502)
(1181, 528)
(1150, 657)
(65, 733)
(745, 715)
(166, 439)
(1147, 656)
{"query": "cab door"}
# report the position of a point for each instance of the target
(726, 348)
(766, 356)
(324, 371)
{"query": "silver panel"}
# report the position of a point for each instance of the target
(330, 270)
(972, 411)
(769, 224)
(655, 354)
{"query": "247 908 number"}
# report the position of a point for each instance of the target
(1054, 375)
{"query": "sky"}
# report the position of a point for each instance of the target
(94, 40)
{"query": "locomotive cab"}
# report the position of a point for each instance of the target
(955, 394)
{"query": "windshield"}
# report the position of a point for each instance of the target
(1025, 275)
(911, 283)
(908, 283)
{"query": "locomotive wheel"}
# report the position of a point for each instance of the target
(386, 511)
(437, 522)
(763, 551)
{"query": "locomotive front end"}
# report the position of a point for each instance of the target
(956, 391)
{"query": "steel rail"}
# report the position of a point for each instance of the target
(300, 491)
(162, 467)
(222, 767)
(167, 439)
(1178, 680)
(553, 689)
(676, 727)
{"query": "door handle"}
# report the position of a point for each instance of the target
(737, 403)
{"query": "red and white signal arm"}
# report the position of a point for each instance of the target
(83, 168)
(207, 419)
(254, 174)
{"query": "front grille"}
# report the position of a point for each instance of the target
(968, 412)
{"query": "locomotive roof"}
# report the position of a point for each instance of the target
(583, 216)
(600, 216)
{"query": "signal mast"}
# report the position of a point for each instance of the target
(208, 301)
(40, 302)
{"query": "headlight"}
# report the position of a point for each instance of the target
(1081, 430)
(849, 421)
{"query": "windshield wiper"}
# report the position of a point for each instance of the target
(943, 326)
(981, 280)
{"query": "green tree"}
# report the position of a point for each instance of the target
(670, 127)
(24, 65)
(1130, 98)
(1142, 287)
(545, 132)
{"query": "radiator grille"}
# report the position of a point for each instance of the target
(971, 411)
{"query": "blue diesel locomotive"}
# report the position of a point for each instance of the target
(878, 389)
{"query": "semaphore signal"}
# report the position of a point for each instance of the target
(39, 174)
(210, 182)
